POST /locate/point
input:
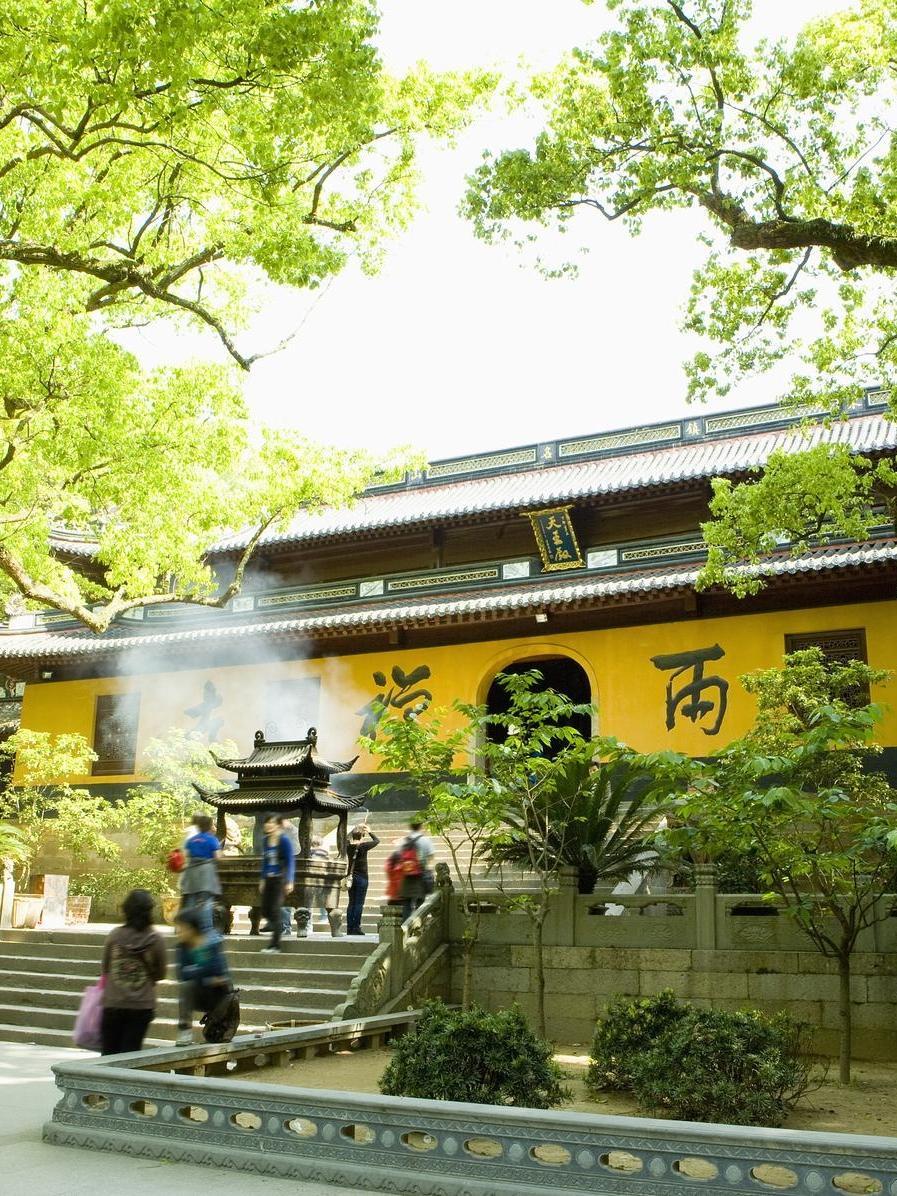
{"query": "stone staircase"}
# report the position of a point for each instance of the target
(389, 827)
(43, 974)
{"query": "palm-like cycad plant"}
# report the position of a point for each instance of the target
(12, 844)
(599, 816)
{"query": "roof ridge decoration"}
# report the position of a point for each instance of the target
(281, 775)
(554, 594)
(621, 441)
(585, 477)
(423, 585)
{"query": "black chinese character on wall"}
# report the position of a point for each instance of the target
(399, 696)
(689, 698)
(206, 713)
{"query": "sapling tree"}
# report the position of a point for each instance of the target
(433, 748)
(528, 755)
(797, 791)
(158, 812)
(39, 802)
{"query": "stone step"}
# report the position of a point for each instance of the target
(322, 955)
(253, 1018)
(265, 999)
(328, 983)
(82, 944)
(41, 1036)
(20, 974)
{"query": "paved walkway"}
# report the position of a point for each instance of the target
(29, 1167)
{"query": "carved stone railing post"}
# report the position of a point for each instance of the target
(564, 906)
(705, 907)
(392, 936)
(7, 894)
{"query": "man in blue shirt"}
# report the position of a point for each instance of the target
(278, 873)
(200, 884)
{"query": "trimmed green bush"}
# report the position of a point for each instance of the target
(630, 1026)
(744, 1068)
(474, 1056)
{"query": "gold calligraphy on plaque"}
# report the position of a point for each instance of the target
(556, 539)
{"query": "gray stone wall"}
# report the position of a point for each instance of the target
(713, 951)
(579, 981)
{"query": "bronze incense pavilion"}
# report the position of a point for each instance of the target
(285, 777)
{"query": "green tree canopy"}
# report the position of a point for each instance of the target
(798, 792)
(163, 161)
(786, 149)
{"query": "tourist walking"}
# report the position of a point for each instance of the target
(202, 971)
(286, 914)
(361, 841)
(133, 964)
(416, 867)
(393, 873)
(278, 871)
(200, 884)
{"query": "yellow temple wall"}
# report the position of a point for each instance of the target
(628, 689)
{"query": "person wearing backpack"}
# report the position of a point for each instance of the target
(199, 880)
(202, 971)
(278, 871)
(133, 964)
(416, 868)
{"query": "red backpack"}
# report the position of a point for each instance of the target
(177, 860)
(409, 861)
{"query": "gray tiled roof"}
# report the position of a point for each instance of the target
(279, 799)
(576, 480)
(284, 756)
(43, 645)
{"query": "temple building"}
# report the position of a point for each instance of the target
(577, 556)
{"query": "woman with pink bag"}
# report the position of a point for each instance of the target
(134, 962)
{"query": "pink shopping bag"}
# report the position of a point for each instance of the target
(88, 1023)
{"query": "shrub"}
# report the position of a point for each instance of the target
(743, 1068)
(475, 1056)
(109, 888)
(629, 1027)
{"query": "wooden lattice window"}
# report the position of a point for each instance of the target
(115, 734)
(838, 647)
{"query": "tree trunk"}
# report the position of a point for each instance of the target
(540, 975)
(467, 955)
(844, 1018)
(586, 879)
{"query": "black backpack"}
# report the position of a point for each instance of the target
(222, 1022)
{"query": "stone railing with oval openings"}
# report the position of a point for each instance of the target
(138, 1105)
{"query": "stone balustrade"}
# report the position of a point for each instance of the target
(134, 1105)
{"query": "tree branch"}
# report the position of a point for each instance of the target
(849, 249)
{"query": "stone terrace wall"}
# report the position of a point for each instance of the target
(710, 953)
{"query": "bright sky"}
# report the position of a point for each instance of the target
(457, 346)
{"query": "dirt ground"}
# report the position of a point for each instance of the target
(868, 1106)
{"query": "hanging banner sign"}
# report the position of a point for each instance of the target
(558, 547)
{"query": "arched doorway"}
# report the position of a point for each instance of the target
(560, 673)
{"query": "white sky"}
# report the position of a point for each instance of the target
(457, 346)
